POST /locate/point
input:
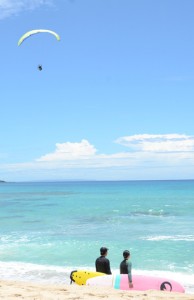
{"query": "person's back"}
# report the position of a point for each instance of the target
(102, 263)
(126, 266)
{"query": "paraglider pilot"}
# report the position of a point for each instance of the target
(40, 67)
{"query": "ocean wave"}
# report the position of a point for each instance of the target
(61, 274)
(34, 272)
(189, 238)
(150, 212)
(14, 238)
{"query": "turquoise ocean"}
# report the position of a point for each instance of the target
(48, 229)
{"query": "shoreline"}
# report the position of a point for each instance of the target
(11, 290)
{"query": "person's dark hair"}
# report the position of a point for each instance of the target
(103, 250)
(126, 253)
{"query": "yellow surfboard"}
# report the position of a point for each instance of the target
(80, 277)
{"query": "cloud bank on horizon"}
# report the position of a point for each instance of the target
(145, 155)
(144, 143)
(14, 7)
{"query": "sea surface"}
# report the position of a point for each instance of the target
(48, 229)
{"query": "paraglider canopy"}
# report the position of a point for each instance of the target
(35, 31)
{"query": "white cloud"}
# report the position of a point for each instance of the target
(168, 156)
(158, 143)
(14, 7)
(149, 151)
(70, 151)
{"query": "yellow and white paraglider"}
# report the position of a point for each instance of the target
(35, 31)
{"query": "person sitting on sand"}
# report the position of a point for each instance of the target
(103, 263)
(126, 266)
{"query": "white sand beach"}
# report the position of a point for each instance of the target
(12, 290)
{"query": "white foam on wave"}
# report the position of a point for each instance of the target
(61, 274)
(189, 238)
(18, 238)
(35, 273)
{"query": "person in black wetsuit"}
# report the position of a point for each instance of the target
(103, 263)
(126, 266)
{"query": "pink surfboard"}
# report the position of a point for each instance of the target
(140, 283)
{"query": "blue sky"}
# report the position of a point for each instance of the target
(115, 98)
